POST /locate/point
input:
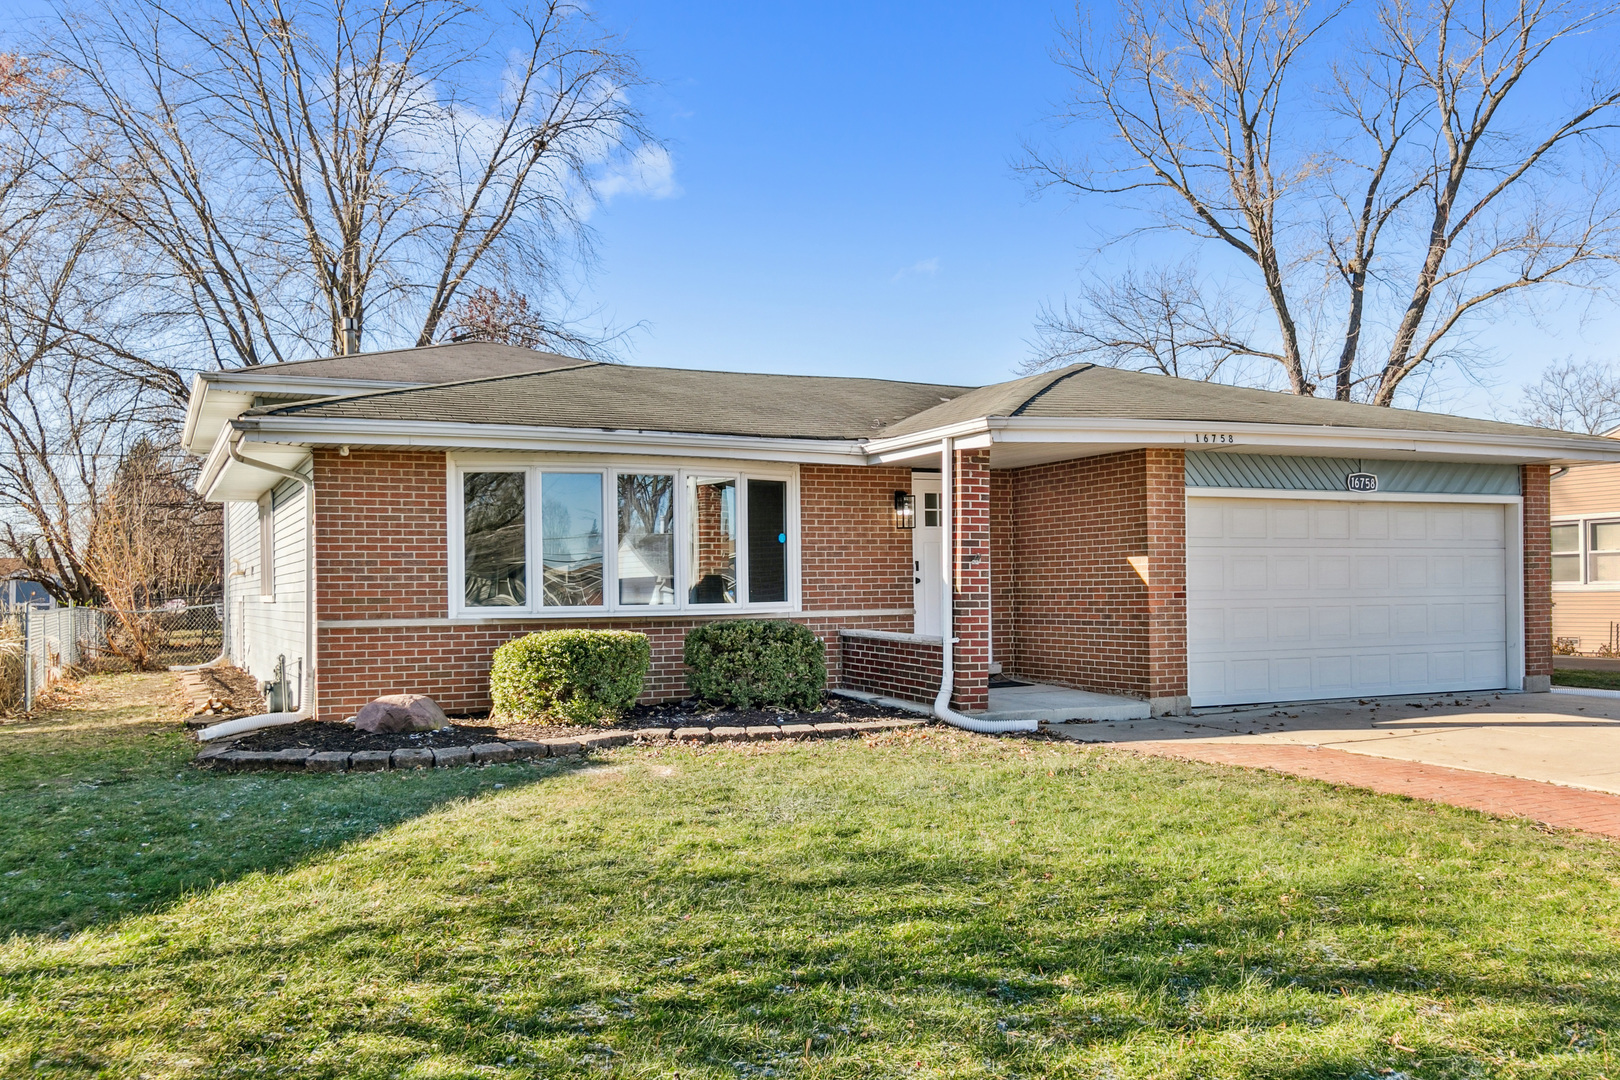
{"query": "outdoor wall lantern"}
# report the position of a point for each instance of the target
(905, 510)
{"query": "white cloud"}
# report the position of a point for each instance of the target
(930, 267)
(649, 173)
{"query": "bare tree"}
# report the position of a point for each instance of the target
(186, 185)
(305, 169)
(487, 313)
(1161, 321)
(1425, 181)
(1575, 395)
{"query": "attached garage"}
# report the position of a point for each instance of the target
(1304, 592)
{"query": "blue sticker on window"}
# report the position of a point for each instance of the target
(781, 538)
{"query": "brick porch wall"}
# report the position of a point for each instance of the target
(1538, 654)
(895, 665)
(970, 530)
(1070, 607)
(381, 554)
(1166, 484)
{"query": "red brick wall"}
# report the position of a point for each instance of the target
(970, 532)
(1538, 655)
(1166, 489)
(1072, 609)
(380, 535)
(853, 556)
(909, 670)
(381, 554)
(1002, 639)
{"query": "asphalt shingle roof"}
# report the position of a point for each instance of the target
(429, 364)
(621, 397)
(624, 397)
(1087, 391)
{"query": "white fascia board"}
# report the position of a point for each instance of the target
(199, 388)
(969, 435)
(440, 435)
(1281, 438)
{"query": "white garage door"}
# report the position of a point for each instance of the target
(1289, 600)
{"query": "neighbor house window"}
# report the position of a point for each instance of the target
(621, 539)
(494, 532)
(1603, 551)
(1566, 552)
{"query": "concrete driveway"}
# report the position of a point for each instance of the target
(1557, 738)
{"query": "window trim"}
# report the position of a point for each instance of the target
(609, 469)
(267, 547)
(1583, 532)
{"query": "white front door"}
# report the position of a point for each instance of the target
(925, 554)
(1293, 599)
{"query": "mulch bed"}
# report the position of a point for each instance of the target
(322, 735)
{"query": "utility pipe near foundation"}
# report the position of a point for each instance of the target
(947, 607)
(306, 688)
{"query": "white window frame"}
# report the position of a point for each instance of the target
(267, 547)
(1583, 531)
(610, 470)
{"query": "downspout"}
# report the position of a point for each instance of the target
(305, 711)
(947, 609)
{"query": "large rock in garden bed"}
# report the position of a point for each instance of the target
(401, 712)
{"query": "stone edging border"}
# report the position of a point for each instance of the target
(223, 758)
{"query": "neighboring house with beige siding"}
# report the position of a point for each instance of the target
(1585, 512)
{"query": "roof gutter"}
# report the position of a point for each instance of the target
(1248, 436)
(435, 434)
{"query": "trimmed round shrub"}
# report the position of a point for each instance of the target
(752, 662)
(583, 676)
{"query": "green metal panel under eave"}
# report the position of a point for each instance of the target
(1279, 473)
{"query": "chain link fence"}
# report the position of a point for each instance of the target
(39, 647)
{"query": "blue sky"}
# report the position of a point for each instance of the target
(846, 201)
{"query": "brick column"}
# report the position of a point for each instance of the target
(1165, 480)
(970, 526)
(1538, 654)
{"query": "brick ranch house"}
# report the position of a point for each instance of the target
(393, 517)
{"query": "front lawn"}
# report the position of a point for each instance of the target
(921, 904)
(1598, 680)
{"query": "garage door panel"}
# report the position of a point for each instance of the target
(1331, 524)
(1484, 523)
(1389, 599)
(1372, 572)
(1290, 523)
(1412, 669)
(1291, 626)
(1411, 620)
(1246, 573)
(1332, 571)
(1372, 523)
(1333, 622)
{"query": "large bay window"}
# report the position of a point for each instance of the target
(540, 539)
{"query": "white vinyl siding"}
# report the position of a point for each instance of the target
(261, 629)
(1295, 599)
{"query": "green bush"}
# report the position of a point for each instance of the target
(584, 676)
(749, 662)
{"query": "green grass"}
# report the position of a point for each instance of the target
(916, 905)
(1600, 680)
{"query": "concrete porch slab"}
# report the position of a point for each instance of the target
(1056, 704)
